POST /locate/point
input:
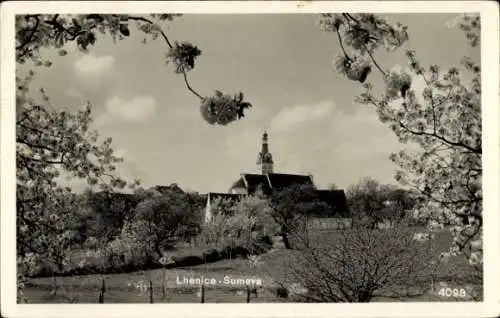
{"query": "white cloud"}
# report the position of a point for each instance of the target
(335, 146)
(92, 67)
(136, 110)
(290, 118)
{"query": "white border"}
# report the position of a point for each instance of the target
(491, 145)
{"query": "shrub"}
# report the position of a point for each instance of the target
(211, 255)
(130, 249)
(360, 263)
(191, 260)
(261, 244)
(242, 224)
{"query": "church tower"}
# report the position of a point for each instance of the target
(265, 159)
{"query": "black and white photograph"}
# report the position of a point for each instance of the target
(194, 153)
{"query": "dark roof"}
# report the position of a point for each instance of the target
(255, 181)
(270, 181)
(281, 180)
(161, 189)
(335, 199)
(238, 183)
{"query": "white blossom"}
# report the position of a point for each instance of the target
(398, 81)
(475, 258)
(421, 237)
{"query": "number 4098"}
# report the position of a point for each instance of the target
(452, 292)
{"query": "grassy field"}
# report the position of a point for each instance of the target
(122, 288)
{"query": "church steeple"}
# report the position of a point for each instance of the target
(265, 159)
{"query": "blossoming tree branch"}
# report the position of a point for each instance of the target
(54, 31)
(444, 120)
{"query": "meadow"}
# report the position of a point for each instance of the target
(455, 273)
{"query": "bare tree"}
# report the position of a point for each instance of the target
(360, 264)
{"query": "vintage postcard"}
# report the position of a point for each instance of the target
(250, 158)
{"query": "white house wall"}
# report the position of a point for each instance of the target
(239, 191)
(208, 212)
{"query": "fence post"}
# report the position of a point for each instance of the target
(54, 284)
(202, 293)
(150, 291)
(101, 293)
(163, 290)
(432, 283)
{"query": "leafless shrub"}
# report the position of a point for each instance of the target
(358, 265)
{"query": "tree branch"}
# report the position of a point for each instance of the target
(443, 139)
(41, 160)
(151, 22)
(23, 46)
(189, 86)
(349, 16)
(435, 135)
(342, 46)
(170, 46)
(376, 64)
(24, 142)
(469, 237)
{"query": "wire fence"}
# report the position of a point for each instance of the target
(148, 291)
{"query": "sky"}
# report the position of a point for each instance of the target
(283, 65)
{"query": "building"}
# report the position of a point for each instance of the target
(268, 181)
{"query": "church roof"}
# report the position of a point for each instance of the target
(282, 180)
(254, 181)
(240, 183)
(269, 181)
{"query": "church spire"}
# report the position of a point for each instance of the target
(265, 159)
